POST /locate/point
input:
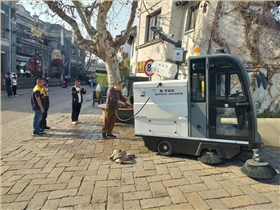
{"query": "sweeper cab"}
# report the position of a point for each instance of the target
(211, 115)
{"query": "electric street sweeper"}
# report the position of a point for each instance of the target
(211, 115)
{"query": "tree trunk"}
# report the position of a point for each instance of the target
(112, 67)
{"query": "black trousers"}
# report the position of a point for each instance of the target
(15, 90)
(43, 122)
(76, 108)
(9, 90)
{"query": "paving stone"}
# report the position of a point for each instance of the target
(211, 194)
(141, 184)
(264, 187)
(19, 186)
(99, 206)
(149, 165)
(62, 193)
(238, 201)
(75, 182)
(192, 177)
(41, 164)
(14, 178)
(55, 173)
(175, 182)
(158, 178)
(270, 206)
(65, 177)
(131, 205)
(43, 181)
(84, 207)
(175, 173)
(38, 201)
(128, 188)
(35, 176)
(65, 208)
(18, 167)
(210, 182)
(158, 189)
(216, 204)
(254, 194)
(28, 171)
(28, 193)
(231, 188)
(176, 195)
(155, 202)
(75, 200)
(99, 195)
(8, 198)
(242, 181)
(115, 174)
(148, 173)
(207, 172)
(273, 197)
(162, 169)
(225, 176)
(114, 198)
(5, 190)
(185, 206)
(52, 187)
(14, 205)
(127, 178)
(137, 195)
(196, 201)
(193, 188)
(192, 167)
(51, 204)
(86, 188)
(109, 183)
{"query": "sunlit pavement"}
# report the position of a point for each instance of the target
(70, 167)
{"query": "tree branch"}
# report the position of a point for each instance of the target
(120, 40)
(102, 19)
(85, 44)
(90, 29)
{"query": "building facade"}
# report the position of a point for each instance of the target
(31, 47)
(208, 25)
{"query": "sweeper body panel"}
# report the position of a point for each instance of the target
(213, 112)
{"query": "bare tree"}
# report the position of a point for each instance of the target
(99, 40)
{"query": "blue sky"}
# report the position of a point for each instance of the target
(119, 15)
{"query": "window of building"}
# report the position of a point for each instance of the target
(192, 17)
(152, 20)
(2, 24)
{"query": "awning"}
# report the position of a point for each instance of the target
(22, 64)
(22, 58)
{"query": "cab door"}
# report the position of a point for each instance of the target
(198, 100)
(230, 108)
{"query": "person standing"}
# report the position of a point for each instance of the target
(46, 105)
(77, 100)
(37, 106)
(14, 84)
(114, 97)
(8, 83)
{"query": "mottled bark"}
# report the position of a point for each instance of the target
(101, 42)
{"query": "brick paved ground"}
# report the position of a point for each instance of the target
(69, 168)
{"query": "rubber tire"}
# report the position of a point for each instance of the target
(162, 151)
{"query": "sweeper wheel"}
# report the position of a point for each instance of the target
(258, 170)
(165, 148)
(210, 157)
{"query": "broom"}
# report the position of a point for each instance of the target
(210, 158)
(258, 169)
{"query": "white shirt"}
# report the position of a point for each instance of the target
(79, 95)
(14, 82)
